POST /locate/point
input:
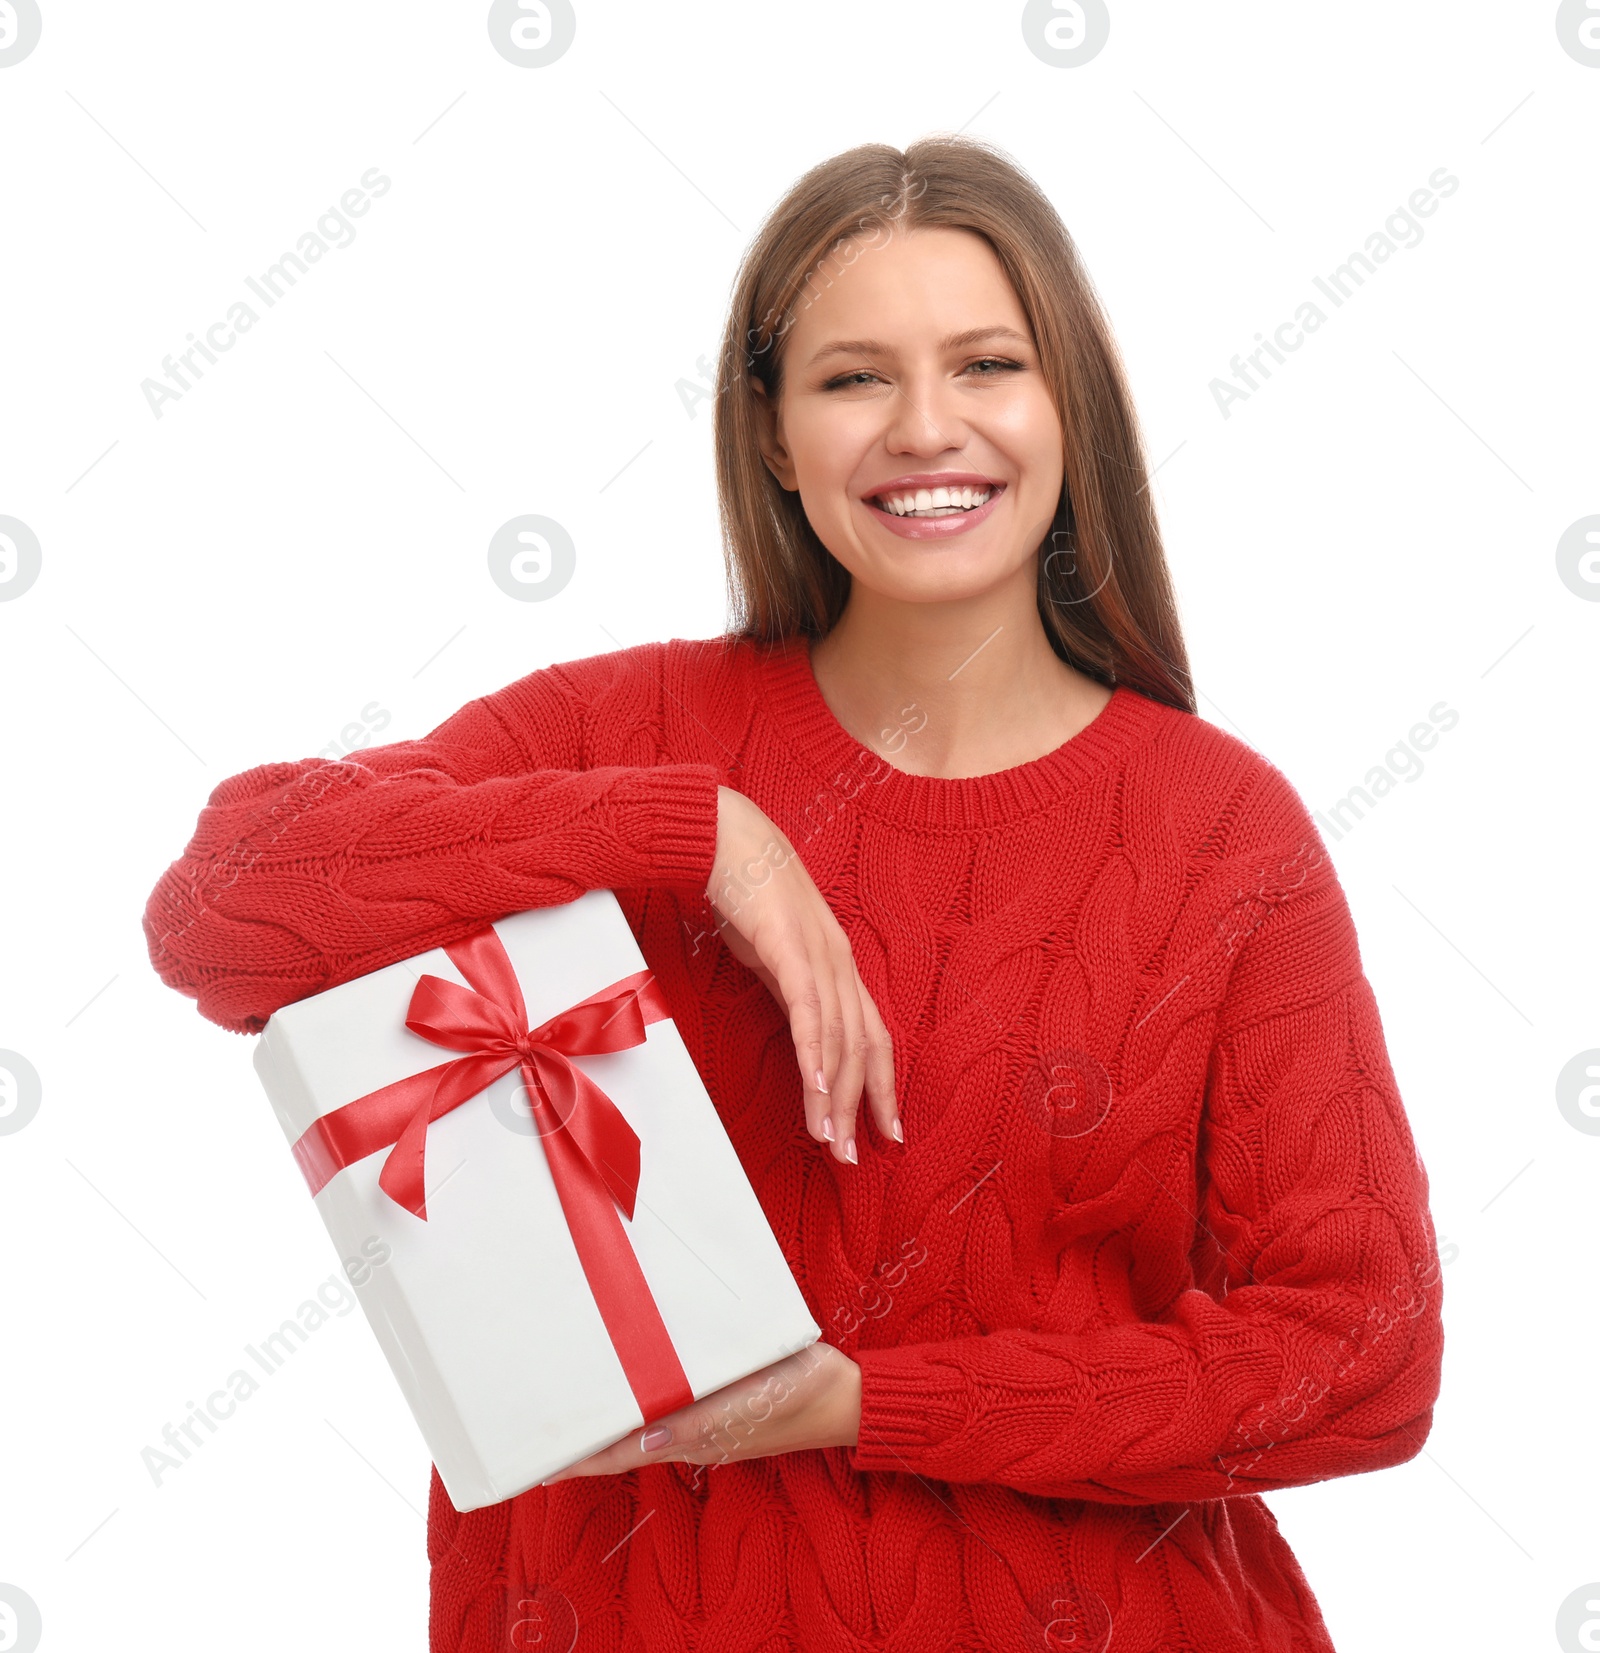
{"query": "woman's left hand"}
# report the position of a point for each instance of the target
(810, 1399)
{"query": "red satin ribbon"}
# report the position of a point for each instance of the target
(592, 1150)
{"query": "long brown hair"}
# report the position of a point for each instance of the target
(1104, 590)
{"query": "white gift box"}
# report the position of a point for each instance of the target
(484, 1310)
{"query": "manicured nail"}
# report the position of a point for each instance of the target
(822, 1084)
(894, 1127)
(850, 1150)
(657, 1435)
(827, 1127)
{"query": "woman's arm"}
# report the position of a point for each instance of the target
(302, 875)
(1310, 1344)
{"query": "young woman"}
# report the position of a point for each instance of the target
(1030, 1000)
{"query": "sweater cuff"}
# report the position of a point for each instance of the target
(676, 807)
(909, 1404)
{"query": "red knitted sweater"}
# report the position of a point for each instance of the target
(1157, 1240)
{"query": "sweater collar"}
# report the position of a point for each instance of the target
(856, 777)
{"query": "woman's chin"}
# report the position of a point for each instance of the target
(946, 578)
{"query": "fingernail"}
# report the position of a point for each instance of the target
(827, 1127)
(658, 1435)
(894, 1127)
(850, 1150)
(822, 1084)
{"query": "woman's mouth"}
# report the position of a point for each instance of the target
(934, 512)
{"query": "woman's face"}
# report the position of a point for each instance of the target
(911, 366)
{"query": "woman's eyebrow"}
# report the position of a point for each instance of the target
(951, 341)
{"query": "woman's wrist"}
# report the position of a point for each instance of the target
(850, 1404)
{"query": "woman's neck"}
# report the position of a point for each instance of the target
(952, 689)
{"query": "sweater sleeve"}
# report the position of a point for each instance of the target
(1309, 1342)
(301, 875)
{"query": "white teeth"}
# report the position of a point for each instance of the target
(934, 501)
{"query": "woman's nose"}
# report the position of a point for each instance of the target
(923, 416)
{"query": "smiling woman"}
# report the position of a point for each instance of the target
(936, 505)
(861, 263)
(1138, 1231)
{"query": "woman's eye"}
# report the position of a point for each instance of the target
(996, 365)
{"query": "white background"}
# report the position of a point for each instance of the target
(304, 534)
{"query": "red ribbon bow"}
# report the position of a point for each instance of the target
(592, 1150)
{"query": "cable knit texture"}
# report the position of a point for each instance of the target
(1158, 1238)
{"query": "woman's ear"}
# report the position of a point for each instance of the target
(769, 436)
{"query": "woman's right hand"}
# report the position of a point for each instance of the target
(774, 920)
